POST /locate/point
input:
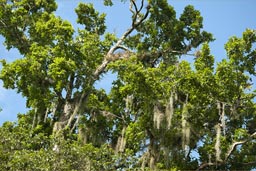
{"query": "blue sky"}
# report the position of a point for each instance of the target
(223, 18)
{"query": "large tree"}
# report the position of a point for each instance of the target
(160, 111)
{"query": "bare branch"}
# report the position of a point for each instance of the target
(82, 99)
(4, 24)
(75, 124)
(132, 3)
(141, 6)
(233, 146)
(109, 114)
(124, 48)
(137, 12)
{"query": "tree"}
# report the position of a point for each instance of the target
(160, 109)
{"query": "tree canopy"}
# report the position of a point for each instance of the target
(161, 111)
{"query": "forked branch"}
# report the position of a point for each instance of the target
(118, 44)
(235, 144)
(228, 154)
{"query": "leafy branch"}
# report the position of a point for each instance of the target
(108, 57)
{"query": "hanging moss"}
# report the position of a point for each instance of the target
(223, 123)
(121, 142)
(185, 127)
(217, 143)
(158, 117)
(170, 110)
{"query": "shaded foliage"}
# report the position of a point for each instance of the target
(161, 110)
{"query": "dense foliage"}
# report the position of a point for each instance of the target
(161, 113)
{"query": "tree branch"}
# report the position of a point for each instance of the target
(204, 165)
(131, 5)
(106, 60)
(109, 115)
(124, 48)
(249, 163)
(232, 148)
(69, 87)
(75, 124)
(137, 11)
(83, 98)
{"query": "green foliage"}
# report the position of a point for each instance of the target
(19, 17)
(90, 18)
(204, 60)
(22, 148)
(240, 51)
(160, 110)
(108, 3)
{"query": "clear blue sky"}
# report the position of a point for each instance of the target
(223, 18)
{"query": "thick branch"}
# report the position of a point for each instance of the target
(83, 98)
(233, 146)
(69, 87)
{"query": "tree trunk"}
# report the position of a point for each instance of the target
(64, 117)
(121, 142)
(153, 151)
